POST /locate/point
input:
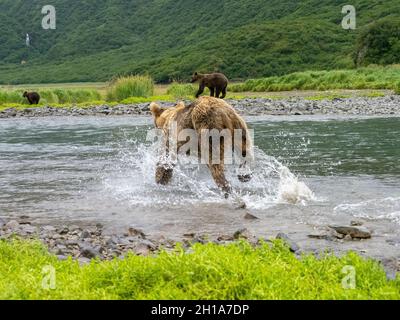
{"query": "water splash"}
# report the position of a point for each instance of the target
(133, 181)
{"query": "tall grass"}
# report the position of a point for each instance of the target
(374, 77)
(179, 90)
(397, 89)
(265, 272)
(52, 96)
(130, 86)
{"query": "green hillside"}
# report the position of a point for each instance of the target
(169, 39)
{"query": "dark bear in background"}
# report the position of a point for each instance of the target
(216, 82)
(33, 97)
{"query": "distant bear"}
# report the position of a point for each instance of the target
(216, 82)
(204, 113)
(33, 97)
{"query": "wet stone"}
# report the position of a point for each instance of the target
(132, 231)
(13, 224)
(90, 252)
(249, 216)
(63, 230)
(85, 234)
(291, 244)
(243, 233)
(353, 231)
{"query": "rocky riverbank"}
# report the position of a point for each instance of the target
(84, 243)
(388, 105)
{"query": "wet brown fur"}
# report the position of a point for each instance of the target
(204, 113)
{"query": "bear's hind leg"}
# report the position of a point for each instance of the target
(223, 93)
(218, 92)
(217, 172)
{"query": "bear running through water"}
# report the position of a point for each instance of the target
(216, 82)
(204, 115)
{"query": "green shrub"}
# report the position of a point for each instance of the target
(265, 272)
(130, 86)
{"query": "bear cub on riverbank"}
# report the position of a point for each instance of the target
(216, 82)
(33, 97)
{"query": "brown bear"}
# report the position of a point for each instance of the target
(33, 97)
(201, 116)
(216, 82)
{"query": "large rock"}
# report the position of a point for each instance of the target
(352, 231)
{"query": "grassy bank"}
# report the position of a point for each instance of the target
(362, 78)
(141, 89)
(53, 96)
(206, 273)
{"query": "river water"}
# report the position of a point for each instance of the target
(308, 170)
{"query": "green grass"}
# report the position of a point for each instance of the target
(180, 91)
(130, 86)
(51, 96)
(207, 272)
(373, 77)
(133, 100)
(326, 97)
(397, 89)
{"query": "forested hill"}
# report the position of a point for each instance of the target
(169, 39)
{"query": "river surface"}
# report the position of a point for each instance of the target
(308, 170)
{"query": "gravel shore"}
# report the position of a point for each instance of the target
(388, 105)
(85, 242)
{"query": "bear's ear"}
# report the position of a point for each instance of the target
(156, 110)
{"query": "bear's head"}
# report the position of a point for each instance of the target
(163, 116)
(196, 77)
(25, 94)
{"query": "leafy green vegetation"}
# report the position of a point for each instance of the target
(379, 43)
(169, 39)
(265, 272)
(373, 77)
(130, 86)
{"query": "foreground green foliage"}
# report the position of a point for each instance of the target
(96, 39)
(235, 271)
(130, 86)
(373, 77)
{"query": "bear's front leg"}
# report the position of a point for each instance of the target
(201, 90)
